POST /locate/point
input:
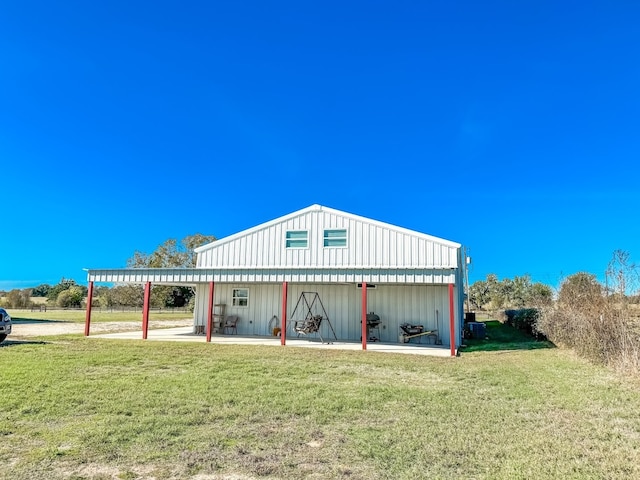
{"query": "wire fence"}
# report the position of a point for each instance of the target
(119, 308)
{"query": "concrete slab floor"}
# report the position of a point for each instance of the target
(185, 334)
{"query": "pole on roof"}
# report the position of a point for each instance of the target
(452, 328)
(87, 323)
(145, 310)
(283, 327)
(364, 315)
(210, 312)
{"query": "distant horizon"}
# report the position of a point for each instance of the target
(8, 285)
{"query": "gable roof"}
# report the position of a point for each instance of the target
(372, 252)
(320, 208)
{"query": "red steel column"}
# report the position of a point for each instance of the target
(87, 322)
(145, 310)
(452, 322)
(364, 315)
(283, 326)
(210, 312)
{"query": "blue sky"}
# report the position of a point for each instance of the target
(510, 127)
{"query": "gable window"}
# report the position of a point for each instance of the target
(335, 238)
(240, 297)
(297, 239)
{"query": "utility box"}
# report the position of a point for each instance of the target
(477, 329)
(469, 317)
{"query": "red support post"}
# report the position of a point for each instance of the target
(364, 315)
(283, 326)
(210, 313)
(87, 323)
(145, 310)
(452, 322)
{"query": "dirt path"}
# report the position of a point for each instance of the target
(37, 329)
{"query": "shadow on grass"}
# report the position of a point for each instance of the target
(26, 321)
(17, 343)
(503, 337)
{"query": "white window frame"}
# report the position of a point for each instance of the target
(326, 237)
(235, 297)
(291, 242)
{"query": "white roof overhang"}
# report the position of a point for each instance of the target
(192, 276)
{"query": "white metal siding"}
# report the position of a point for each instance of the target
(427, 305)
(368, 245)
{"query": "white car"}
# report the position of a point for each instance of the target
(5, 324)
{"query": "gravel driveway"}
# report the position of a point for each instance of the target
(47, 327)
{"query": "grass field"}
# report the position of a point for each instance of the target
(78, 408)
(97, 316)
(503, 337)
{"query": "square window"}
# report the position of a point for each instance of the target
(297, 239)
(240, 297)
(335, 238)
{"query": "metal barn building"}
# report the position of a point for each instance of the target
(321, 261)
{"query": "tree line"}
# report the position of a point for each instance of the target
(69, 294)
(519, 292)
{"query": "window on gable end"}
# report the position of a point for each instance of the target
(335, 238)
(297, 239)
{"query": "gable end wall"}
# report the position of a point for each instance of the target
(368, 245)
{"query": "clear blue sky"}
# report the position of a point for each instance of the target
(510, 127)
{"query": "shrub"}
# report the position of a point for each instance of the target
(525, 319)
(71, 297)
(18, 299)
(597, 325)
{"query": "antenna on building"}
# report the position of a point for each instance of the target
(467, 260)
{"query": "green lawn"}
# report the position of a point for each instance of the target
(503, 337)
(79, 316)
(78, 408)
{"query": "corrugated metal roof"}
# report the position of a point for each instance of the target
(192, 276)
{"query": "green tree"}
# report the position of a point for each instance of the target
(479, 294)
(171, 254)
(518, 292)
(124, 296)
(65, 284)
(41, 290)
(71, 297)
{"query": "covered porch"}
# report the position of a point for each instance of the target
(206, 281)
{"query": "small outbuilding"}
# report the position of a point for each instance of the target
(367, 280)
